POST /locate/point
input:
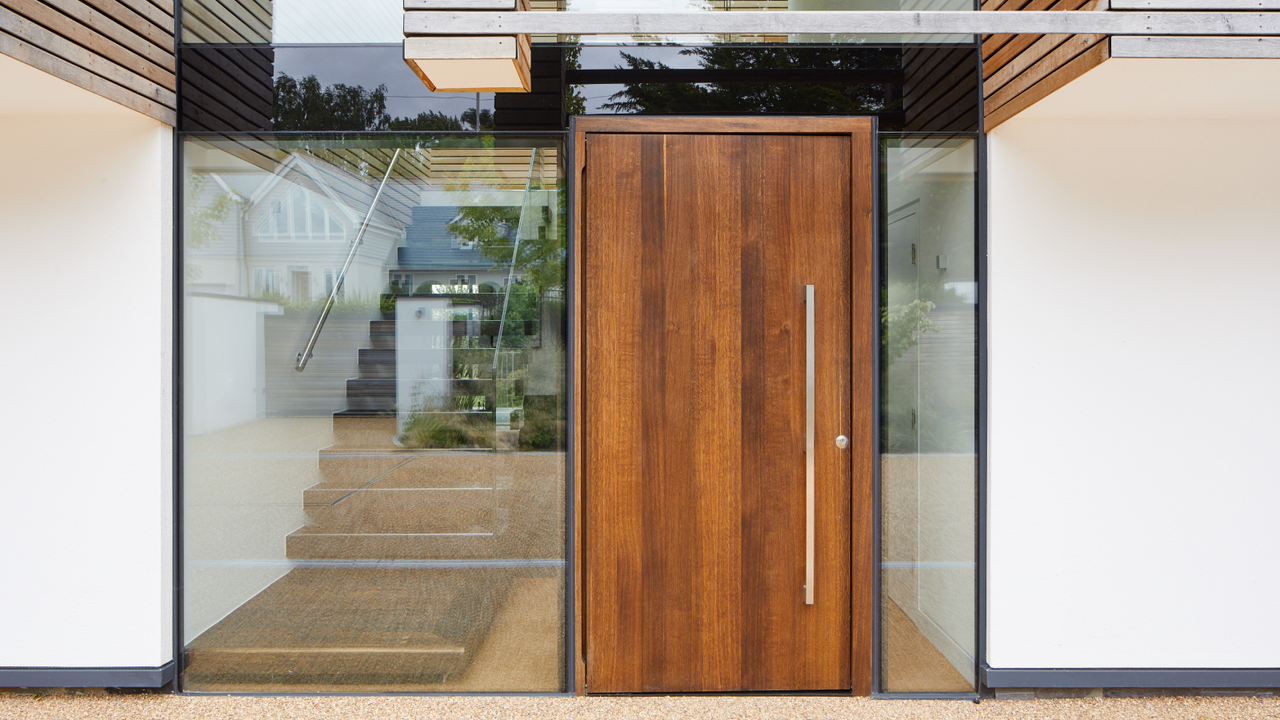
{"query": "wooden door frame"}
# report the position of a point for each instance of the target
(864, 346)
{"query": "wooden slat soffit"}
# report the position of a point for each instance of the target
(122, 50)
(1019, 70)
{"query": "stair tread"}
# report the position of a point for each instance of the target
(378, 623)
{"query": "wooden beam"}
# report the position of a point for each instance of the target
(830, 22)
(1196, 47)
(1213, 5)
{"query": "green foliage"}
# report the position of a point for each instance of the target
(436, 429)
(468, 117)
(543, 423)
(200, 224)
(901, 326)
(431, 121)
(574, 101)
(542, 259)
(786, 98)
(306, 105)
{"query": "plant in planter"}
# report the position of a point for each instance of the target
(440, 428)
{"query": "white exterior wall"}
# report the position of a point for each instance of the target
(86, 521)
(1133, 473)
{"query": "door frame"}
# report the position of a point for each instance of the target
(864, 351)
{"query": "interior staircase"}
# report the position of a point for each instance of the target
(387, 588)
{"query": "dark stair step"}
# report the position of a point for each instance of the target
(377, 362)
(382, 333)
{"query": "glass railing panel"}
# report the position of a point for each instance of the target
(928, 465)
(391, 516)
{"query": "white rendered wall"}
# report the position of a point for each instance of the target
(85, 521)
(1134, 339)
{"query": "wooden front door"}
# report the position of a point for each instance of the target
(698, 242)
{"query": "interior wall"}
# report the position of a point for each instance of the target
(1132, 472)
(86, 522)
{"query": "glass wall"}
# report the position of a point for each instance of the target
(384, 511)
(928, 462)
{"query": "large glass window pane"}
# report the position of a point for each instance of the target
(387, 512)
(928, 465)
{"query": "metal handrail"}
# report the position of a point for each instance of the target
(515, 252)
(305, 355)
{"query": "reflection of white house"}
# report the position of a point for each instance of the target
(286, 234)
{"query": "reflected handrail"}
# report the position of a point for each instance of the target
(301, 362)
(515, 252)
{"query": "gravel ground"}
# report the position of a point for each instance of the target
(170, 707)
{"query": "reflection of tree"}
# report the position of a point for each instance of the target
(574, 102)
(747, 97)
(307, 105)
(200, 224)
(542, 257)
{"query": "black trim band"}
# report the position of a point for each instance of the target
(115, 677)
(1132, 678)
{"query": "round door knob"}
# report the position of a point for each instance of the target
(842, 442)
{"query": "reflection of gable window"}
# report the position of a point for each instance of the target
(299, 216)
(266, 281)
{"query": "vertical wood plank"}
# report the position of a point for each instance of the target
(863, 345)
(579, 405)
(614, 501)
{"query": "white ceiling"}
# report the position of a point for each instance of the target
(28, 91)
(1164, 88)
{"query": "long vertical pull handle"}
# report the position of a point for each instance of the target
(810, 433)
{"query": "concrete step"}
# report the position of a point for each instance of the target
(353, 428)
(433, 505)
(310, 543)
(354, 467)
(352, 625)
(380, 510)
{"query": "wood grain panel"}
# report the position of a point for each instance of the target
(226, 21)
(1080, 65)
(1020, 70)
(119, 49)
(231, 84)
(696, 251)
(863, 345)
(577, 194)
(940, 89)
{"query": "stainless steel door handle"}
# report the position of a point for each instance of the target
(809, 436)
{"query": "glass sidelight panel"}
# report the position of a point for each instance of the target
(386, 511)
(928, 462)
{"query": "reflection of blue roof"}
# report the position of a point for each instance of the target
(429, 244)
